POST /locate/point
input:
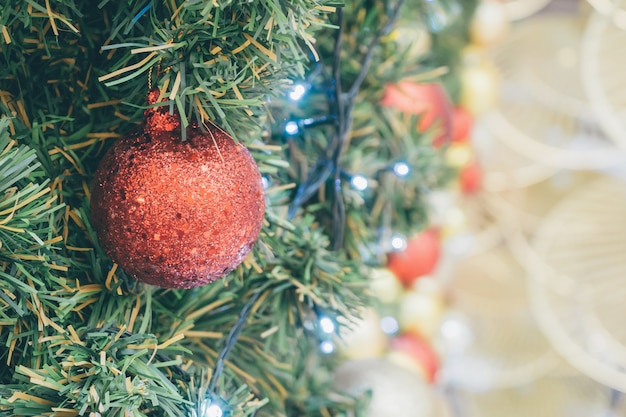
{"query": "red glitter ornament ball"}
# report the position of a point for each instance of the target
(177, 214)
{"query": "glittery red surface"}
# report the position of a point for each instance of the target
(177, 214)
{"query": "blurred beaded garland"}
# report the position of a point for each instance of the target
(413, 292)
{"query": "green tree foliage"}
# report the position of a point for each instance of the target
(80, 337)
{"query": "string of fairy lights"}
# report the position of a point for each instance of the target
(357, 181)
(436, 15)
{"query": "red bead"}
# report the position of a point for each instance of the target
(471, 178)
(462, 124)
(418, 259)
(430, 101)
(420, 351)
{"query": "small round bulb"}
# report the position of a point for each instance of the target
(401, 169)
(359, 182)
(389, 325)
(327, 347)
(327, 325)
(299, 90)
(291, 128)
(209, 408)
(214, 410)
(398, 243)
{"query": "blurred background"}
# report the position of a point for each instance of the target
(524, 314)
(537, 278)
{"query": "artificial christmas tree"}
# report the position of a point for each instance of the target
(298, 83)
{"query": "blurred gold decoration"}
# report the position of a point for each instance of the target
(421, 308)
(480, 85)
(521, 9)
(577, 287)
(459, 154)
(543, 112)
(414, 39)
(396, 392)
(489, 338)
(503, 168)
(604, 51)
(384, 285)
(490, 23)
(548, 397)
(362, 337)
(615, 10)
